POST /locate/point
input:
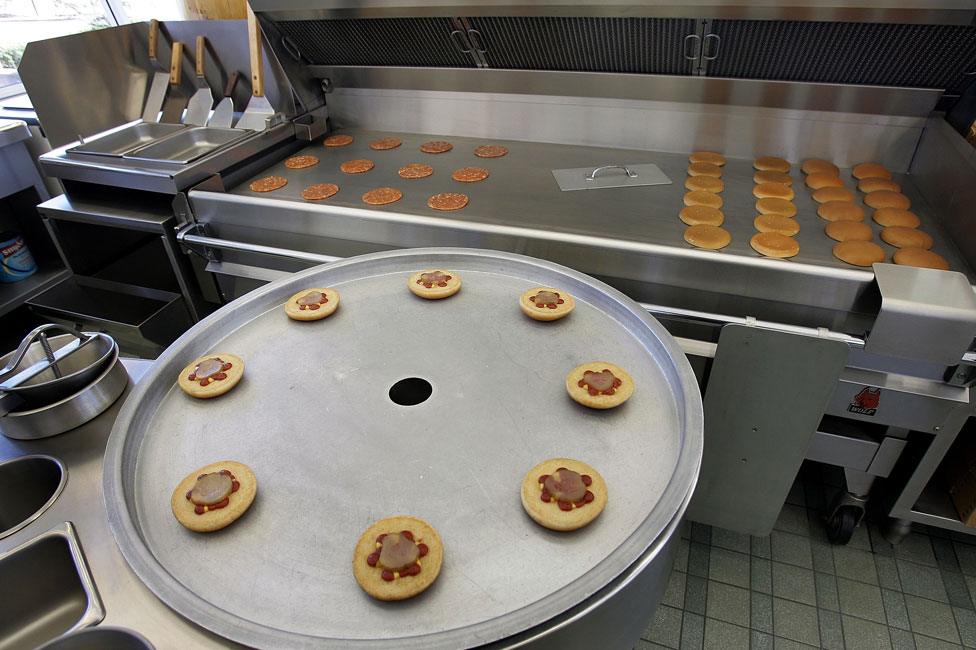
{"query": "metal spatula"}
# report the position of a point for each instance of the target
(198, 110)
(259, 109)
(176, 97)
(223, 115)
(157, 89)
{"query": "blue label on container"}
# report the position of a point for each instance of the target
(16, 262)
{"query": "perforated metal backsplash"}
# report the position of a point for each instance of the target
(424, 42)
(924, 56)
(643, 45)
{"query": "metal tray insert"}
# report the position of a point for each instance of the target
(121, 142)
(189, 145)
(333, 453)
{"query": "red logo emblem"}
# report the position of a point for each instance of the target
(866, 402)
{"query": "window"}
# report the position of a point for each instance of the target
(23, 21)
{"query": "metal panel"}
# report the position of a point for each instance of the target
(878, 100)
(941, 304)
(740, 132)
(636, 45)
(765, 396)
(929, 56)
(383, 41)
(842, 450)
(958, 12)
(109, 69)
(944, 169)
(895, 400)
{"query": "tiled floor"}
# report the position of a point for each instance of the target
(793, 589)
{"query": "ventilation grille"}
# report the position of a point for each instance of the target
(924, 56)
(642, 45)
(423, 42)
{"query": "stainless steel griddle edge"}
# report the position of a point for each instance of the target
(201, 338)
(522, 194)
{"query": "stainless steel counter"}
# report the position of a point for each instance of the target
(128, 603)
(629, 233)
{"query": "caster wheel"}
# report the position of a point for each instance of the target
(841, 525)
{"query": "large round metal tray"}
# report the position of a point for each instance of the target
(333, 453)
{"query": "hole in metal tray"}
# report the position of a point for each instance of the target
(411, 391)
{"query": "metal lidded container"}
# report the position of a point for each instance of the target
(332, 453)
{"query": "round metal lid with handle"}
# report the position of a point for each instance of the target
(333, 452)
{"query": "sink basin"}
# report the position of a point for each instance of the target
(48, 590)
(100, 638)
(28, 487)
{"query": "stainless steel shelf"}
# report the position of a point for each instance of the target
(17, 293)
(935, 508)
(121, 212)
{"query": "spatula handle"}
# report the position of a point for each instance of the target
(254, 45)
(153, 38)
(175, 64)
(201, 46)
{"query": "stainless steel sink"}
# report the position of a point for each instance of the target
(28, 487)
(47, 590)
(100, 638)
(125, 140)
(188, 145)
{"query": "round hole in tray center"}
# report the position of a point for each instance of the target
(410, 391)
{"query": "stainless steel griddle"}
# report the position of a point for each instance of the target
(333, 453)
(522, 192)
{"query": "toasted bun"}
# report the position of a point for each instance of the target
(761, 177)
(849, 231)
(817, 166)
(704, 184)
(859, 253)
(921, 258)
(710, 157)
(771, 164)
(707, 199)
(820, 181)
(887, 199)
(710, 237)
(826, 194)
(700, 215)
(895, 217)
(902, 237)
(704, 169)
(776, 206)
(773, 191)
(870, 170)
(869, 185)
(776, 223)
(773, 244)
(840, 211)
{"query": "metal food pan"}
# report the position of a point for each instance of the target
(125, 140)
(332, 453)
(189, 145)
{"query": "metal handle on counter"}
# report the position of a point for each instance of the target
(477, 40)
(695, 40)
(225, 244)
(592, 175)
(185, 235)
(712, 52)
(725, 319)
(459, 43)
